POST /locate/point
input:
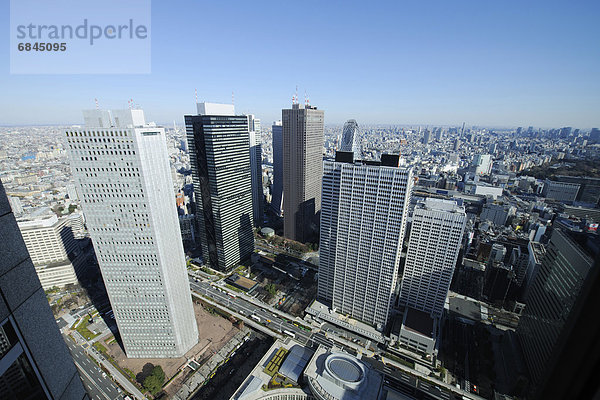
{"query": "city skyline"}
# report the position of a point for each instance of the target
(442, 64)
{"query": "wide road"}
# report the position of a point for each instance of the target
(96, 382)
(249, 310)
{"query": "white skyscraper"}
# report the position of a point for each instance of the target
(122, 173)
(435, 237)
(351, 138)
(256, 169)
(363, 220)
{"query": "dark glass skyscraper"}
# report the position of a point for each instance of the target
(302, 171)
(277, 199)
(552, 302)
(220, 157)
(34, 360)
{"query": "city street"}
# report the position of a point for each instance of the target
(97, 383)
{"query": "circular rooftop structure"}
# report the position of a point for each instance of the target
(345, 368)
(266, 231)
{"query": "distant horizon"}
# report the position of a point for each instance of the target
(336, 124)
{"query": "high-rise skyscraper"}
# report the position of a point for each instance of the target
(122, 172)
(302, 171)
(220, 157)
(277, 199)
(550, 301)
(256, 170)
(351, 138)
(34, 360)
(426, 136)
(435, 237)
(363, 221)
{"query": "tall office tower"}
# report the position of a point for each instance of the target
(256, 168)
(351, 138)
(435, 237)
(220, 158)
(302, 171)
(277, 200)
(426, 136)
(482, 163)
(363, 221)
(34, 360)
(122, 172)
(551, 301)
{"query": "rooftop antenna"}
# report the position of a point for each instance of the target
(296, 94)
(196, 93)
(97, 105)
(232, 99)
(131, 104)
(305, 99)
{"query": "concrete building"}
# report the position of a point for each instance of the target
(418, 331)
(497, 213)
(258, 208)
(435, 237)
(560, 191)
(302, 171)
(277, 199)
(52, 247)
(34, 360)
(72, 192)
(363, 220)
(220, 157)
(482, 163)
(16, 205)
(122, 172)
(351, 139)
(551, 300)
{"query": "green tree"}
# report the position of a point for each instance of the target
(271, 289)
(72, 207)
(155, 380)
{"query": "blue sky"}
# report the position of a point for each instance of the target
(504, 63)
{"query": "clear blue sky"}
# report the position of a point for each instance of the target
(500, 63)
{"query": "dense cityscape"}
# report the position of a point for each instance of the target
(323, 261)
(320, 200)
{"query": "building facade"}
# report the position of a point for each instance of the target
(550, 299)
(258, 196)
(302, 171)
(482, 164)
(277, 199)
(351, 139)
(435, 238)
(52, 248)
(220, 157)
(34, 360)
(560, 191)
(122, 172)
(363, 221)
